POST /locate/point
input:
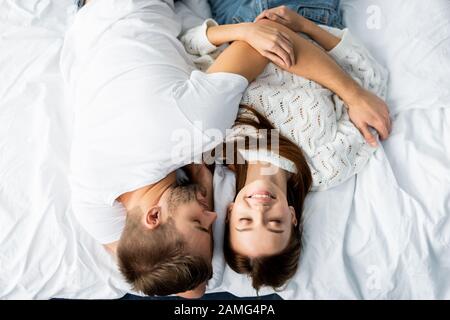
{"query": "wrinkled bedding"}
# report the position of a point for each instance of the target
(383, 234)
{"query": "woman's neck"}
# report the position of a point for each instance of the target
(147, 196)
(259, 170)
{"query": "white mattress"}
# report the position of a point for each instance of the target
(384, 234)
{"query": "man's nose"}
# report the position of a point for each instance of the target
(211, 217)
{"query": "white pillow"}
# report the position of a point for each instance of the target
(224, 190)
(412, 39)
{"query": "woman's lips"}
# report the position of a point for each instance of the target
(261, 196)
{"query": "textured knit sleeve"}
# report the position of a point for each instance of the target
(357, 61)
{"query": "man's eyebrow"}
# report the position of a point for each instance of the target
(248, 229)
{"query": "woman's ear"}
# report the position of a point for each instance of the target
(294, 218)
(229, 209)
(153, 218)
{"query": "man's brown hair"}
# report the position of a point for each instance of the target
(156, 262)
(274, 270)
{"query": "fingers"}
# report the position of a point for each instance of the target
(291, 49)
(382, 128)
(264, 15)
(283, 55)
(368, 136)
(285, 43)
(273, 15)
(389, 122)
(283, 48)
(274, 58)
(382, 123)
(386, 118)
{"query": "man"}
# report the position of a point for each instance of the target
(136, 92)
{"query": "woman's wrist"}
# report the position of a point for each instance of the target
(352, 93)
(242, 31)
(221, 34)
(306, 26)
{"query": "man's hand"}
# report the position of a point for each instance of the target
(285, 16)
(270, 42)
(367, 110)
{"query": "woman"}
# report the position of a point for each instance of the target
(319, 147)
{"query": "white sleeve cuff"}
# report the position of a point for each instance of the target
(196, 41)
(342, 49)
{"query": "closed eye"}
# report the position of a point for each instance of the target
(200, 227)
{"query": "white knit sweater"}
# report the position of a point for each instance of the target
(307, 113)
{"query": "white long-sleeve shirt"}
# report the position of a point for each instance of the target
(310, 115)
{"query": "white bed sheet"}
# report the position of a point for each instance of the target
(385, 234)
(43, 251)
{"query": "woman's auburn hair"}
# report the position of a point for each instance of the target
(274, 270)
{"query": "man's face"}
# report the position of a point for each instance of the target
(188, 208)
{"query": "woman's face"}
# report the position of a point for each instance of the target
(260, 220)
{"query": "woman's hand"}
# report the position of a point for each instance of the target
(270, 42)
(367, 110)
(287, 17)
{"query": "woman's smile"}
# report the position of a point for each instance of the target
(261, 197)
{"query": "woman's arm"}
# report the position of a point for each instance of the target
(322, 37)
(315, 64)
(240, 58)
(269, 42)
(311, 63)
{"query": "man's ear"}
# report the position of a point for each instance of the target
(229, 209)
(294, 218)
(153, 217)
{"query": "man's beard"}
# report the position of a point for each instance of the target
(183, 194)
(187, 193)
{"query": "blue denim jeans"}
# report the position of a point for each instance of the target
(324, 12)
(80, 3)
